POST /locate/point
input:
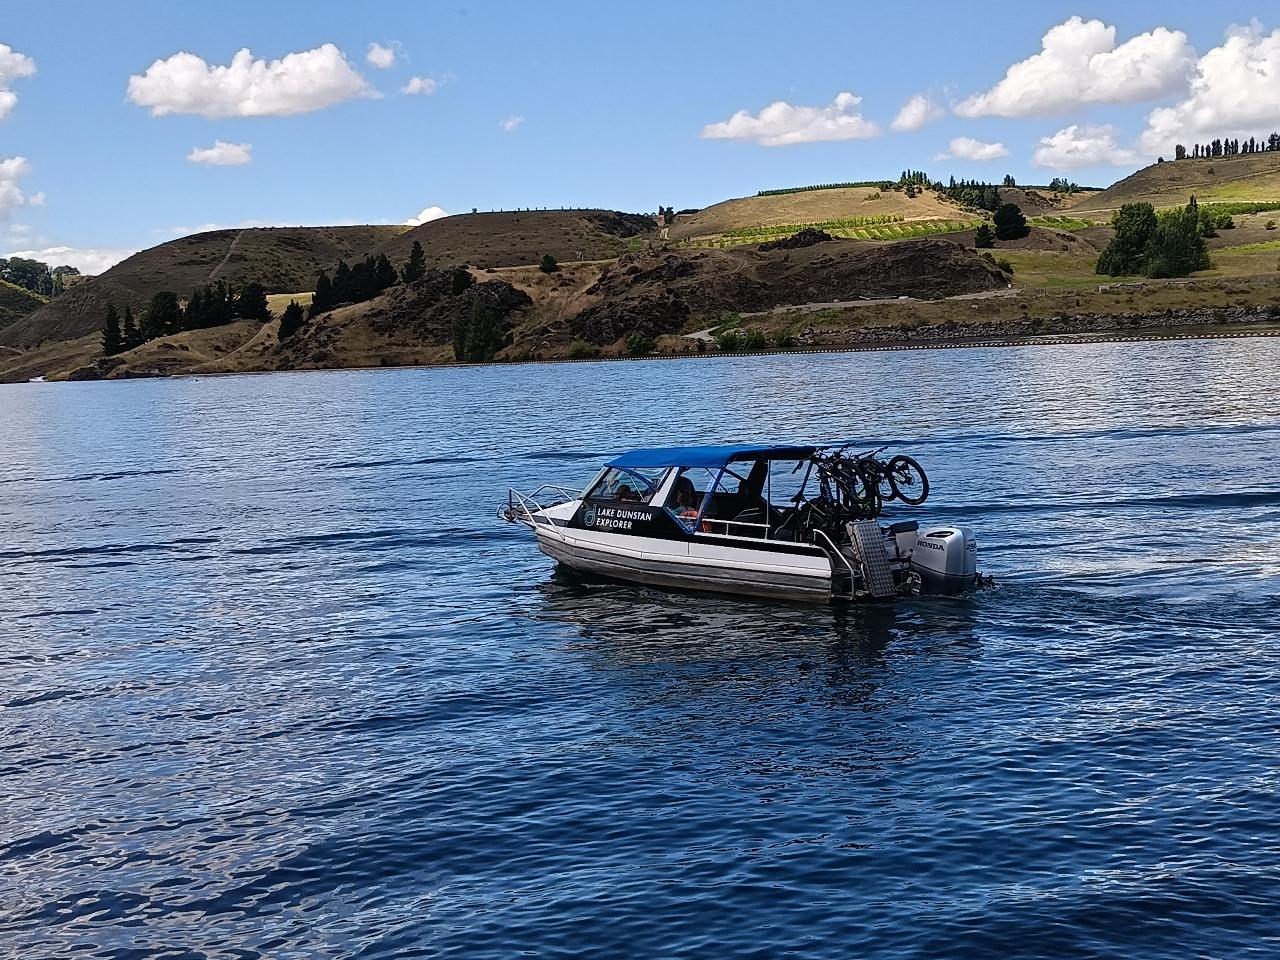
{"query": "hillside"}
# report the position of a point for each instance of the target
(810, 206)
(287, 259)
(280, 258)
(523, 237)
(1251, 177)
(16, 302)
(654, 294)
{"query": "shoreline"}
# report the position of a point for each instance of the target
(1218, 332)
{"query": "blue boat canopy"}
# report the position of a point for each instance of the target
(709, 457)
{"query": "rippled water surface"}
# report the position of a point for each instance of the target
(275, 682)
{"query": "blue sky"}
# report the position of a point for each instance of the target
(618, 106)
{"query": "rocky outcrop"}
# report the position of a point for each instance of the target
(428, 307)
(805, 238)
(651, 316)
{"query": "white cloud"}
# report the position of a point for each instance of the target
(967, 148)
(780, 124)
(36, 199)
(1080, 63)
(222, 154)
(423, 86)
(380, 56)
(426, 216)
(916, 112)
(511, 124)
(1077, 146)
(12, 66)
(1235, 92)
(11, 197)
(248, 87)
(88, 260)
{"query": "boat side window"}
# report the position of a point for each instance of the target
(782, 489)
(628, 484)
(688, 492)
(739, 498)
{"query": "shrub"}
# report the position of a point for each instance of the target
(581, 350)
(638, 345)
(1271, 225)
(1006, 266)
(548, 264)
(728, 340)
(755, 340)
(983, 237)
(784, 340)
(479, 335)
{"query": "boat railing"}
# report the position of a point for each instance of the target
(531, 508)
(709, 526)
(835, 551)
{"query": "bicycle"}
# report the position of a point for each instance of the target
(898, 478)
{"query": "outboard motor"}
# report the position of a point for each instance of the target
(946, 558)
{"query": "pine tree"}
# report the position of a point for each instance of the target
(548, 264)
(163, 317)
(1010, 222)
(111, 342)
(342, 284)
(983, 237)
(416, 266)
(384, 274)
(252, 303)
(290, 321)
(199, 310)
(1134, 225)
(322, 299)
(129, 332)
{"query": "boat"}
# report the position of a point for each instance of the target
(781, 522)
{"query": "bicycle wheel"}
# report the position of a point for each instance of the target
(910, 485)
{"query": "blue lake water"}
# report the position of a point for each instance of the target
(275, 682)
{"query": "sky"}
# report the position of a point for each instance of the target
(123, 125)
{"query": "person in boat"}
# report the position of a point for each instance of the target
(685, 501)
(684, 498)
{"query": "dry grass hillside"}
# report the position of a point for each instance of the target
(280, 258)
(1246, 178)
(523, 237)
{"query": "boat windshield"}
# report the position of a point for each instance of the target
(628, 484)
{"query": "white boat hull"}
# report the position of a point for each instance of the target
(795, 573)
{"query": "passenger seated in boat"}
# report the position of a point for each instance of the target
(626, 493)
(684, 499)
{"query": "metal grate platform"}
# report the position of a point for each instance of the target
(868, 543)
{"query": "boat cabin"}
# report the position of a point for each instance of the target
(728, 491)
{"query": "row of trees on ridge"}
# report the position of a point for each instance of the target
(1227, 148)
